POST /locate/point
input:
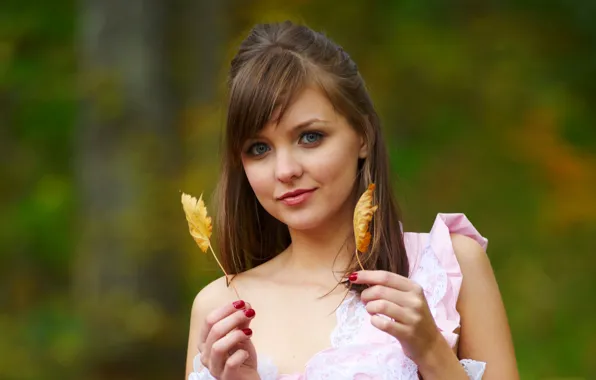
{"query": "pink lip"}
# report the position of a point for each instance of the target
(296, 197)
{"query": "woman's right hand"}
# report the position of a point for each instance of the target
(225, 345)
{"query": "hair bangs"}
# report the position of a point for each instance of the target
(261, 93)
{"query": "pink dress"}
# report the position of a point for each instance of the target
(359, 351)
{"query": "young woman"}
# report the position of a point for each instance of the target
(303, 142)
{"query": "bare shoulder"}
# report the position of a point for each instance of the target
(468, 251)
(478, 276)
(485, 333)
(471, 256)
(210, 297)
(217, 292)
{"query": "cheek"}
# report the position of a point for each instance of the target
(259, 180)
(337, 166)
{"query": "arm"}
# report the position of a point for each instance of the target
(204, 302)
(485, 333)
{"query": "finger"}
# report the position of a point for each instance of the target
(249, 315)
(236, 360)
(226, 325)
(246, 323)
(391, 310)
(220, 349)
(215, 316)
(248, 346)
(381, 277)
(381, 292)
(393, 328)
(204, 361)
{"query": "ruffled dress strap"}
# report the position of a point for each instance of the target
(434, 266)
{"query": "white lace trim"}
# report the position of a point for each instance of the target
(432, 277)
(200, 371)
(265, 367)
(379, 365)
(473, 368)
(350, 317)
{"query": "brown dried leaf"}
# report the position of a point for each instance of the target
(363, 214)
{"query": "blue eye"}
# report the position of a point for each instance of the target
(258, 149)
(311, 137)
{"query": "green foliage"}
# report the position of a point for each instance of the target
(487, 108)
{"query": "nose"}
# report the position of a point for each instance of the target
(287, 167)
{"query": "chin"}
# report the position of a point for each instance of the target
(303, 221)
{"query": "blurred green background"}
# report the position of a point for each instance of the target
(110, 108)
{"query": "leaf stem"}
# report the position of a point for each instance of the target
(358, 258)
(225, 273)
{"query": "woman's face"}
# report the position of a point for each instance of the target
(303, 167)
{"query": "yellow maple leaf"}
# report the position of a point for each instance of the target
(200, 227)
(199, 223)
(363, 214)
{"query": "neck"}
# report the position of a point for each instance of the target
(323, 253)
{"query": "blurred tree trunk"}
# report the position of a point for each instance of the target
(198, 42)
(127, 164)
(144, 64)
(198, 51)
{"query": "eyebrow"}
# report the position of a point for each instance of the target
(308, 123)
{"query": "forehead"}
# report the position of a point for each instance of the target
(310, 103)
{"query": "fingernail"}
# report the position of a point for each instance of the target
(249, 313)
(238, 304)
(353, 277)
(247, 332)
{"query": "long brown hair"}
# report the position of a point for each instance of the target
(270, 68)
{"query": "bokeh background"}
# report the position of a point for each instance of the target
(110, 108)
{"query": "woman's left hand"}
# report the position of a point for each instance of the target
(402, 300)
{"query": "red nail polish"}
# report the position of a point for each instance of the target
(353, 277)
(249, 313)
(238, 304)
(247, 332)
